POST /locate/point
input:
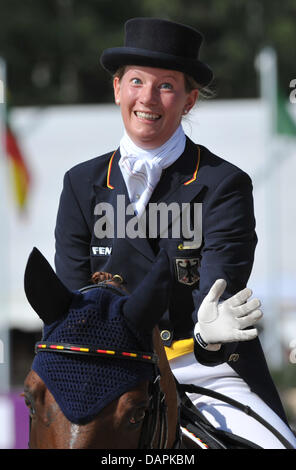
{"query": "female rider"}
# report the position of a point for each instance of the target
(149, 185)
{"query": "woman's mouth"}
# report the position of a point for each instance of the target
(147, 116)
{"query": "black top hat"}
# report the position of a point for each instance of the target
(159, 43)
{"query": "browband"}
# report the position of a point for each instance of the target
(94, 351)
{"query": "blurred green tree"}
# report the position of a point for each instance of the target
(52, 48)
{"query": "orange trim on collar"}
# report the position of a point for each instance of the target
(109, 172)
(196, 170)
(109, 185)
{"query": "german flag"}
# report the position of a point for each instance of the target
(19, 170)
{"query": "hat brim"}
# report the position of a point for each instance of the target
(114, 58)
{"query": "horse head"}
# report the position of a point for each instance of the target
(94, 381)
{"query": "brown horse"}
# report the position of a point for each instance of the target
(145, 416)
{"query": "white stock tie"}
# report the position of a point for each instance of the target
(142, 169)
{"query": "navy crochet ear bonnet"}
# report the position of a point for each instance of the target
(83, 385)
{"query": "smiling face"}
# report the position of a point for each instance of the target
(152, 103)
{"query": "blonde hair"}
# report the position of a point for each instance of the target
(191, 84)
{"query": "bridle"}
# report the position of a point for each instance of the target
(155, 423)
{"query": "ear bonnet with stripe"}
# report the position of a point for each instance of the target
(83, 385)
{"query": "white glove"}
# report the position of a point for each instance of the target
(225, 322)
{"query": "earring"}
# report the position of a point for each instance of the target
(185, 111)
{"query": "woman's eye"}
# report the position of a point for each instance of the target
(136, 81)
(166, 86)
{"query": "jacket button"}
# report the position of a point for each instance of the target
(165, 335)
(233, 357)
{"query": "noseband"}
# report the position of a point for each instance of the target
(156, 414)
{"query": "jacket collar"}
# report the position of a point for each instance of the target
(184, 171)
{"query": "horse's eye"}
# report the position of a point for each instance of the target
(29, 404)
(138, 416)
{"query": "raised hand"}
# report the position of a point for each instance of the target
(226, 321)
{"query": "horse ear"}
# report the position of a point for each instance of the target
(150, 299)
(47, 295)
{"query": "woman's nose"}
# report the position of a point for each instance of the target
(149, 95)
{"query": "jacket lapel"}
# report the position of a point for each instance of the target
(181, 178)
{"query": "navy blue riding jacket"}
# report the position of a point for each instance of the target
(225, 250)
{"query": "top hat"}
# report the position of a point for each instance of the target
(159, 43)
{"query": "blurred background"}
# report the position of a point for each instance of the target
(57, 110)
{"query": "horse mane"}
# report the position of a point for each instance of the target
(101, 276)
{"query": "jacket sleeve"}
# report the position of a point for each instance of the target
(72, 237)
(229, 241)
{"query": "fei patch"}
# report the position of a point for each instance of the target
(187, 270)
(101, 250)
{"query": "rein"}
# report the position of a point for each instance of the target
(190, 411)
